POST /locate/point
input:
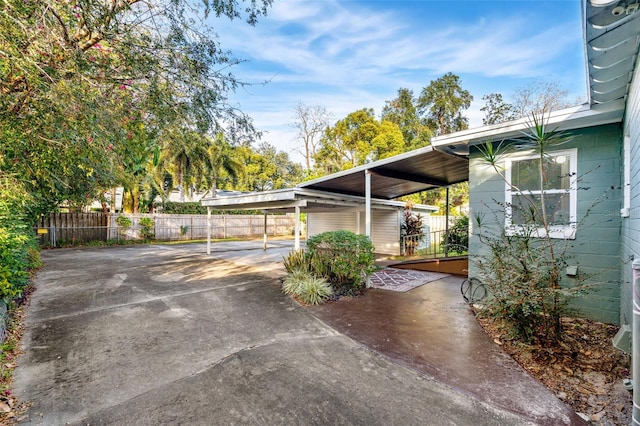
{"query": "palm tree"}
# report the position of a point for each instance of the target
(223, 161)
(186, 157)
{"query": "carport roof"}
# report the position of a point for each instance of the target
(408, 173)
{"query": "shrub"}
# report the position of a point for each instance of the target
(147, 228)
(522, 267)
(296, 260)
(19, 253)
(412, 228)
(305, 287)
(123, 222)
(342, 258)
(458, 237)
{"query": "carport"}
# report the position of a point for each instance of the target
(374, 184)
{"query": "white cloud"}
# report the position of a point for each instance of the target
(344, 56)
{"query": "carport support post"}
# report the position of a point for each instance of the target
(264, 235)
(208, 230)
(446, 227)
(296, 229)
(367, 210)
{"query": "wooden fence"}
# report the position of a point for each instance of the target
(65, 228)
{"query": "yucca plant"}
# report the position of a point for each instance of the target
(296, 260)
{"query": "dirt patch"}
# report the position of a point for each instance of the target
(584, 370)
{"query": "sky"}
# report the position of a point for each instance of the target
(345, 55)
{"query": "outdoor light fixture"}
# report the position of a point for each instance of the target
(602, 3)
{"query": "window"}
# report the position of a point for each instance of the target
(523, 195)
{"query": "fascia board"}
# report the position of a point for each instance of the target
(566, 119)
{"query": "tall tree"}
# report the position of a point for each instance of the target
(540, 96)
(66, 66)
(496, 110)
(355, 140)
(403, 112)
(225, 164)
(443, 102)
(267, 169)
(186, 157)
(310, 121)
(537, 97)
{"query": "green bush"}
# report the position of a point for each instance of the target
(147, 228)
(19, 252)
(458, 237)
(123, 222)
(305, 287)
(343, 258)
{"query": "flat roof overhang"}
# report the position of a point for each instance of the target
(311, 201)
(414, 171)
(577, 117)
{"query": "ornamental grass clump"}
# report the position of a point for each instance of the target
(307, 288)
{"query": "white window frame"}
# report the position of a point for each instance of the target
(555, 231)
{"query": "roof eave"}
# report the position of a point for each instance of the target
(566, 119)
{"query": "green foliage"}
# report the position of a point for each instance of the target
(147, 228)
(266, 169)
(458, 237)
(357, 139)
(458, 197)
(522, 282)
(307, 288)
(404, 112)
(443, 102)
(170, 207)
(296, 260)
(89, 88)
(123, 222)
(19, 254)
(496, 110)
(343, 258)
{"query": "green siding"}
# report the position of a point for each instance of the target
(596, 249)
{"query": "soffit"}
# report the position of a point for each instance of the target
(612, 37)
(408, 173)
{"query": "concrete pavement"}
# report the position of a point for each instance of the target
(168, 335)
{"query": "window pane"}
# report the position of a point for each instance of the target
(556, 172)
(527, 210)
(525, 174)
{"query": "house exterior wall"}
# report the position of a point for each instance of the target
(630, 248)
(385, 228)
(596, 247)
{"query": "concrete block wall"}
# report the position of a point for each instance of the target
(630, 248)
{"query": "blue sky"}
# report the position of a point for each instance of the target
(346, 55)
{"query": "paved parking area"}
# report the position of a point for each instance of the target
(168, 335)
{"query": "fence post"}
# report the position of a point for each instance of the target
(53, 236)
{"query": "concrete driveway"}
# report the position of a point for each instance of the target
(164, 334)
